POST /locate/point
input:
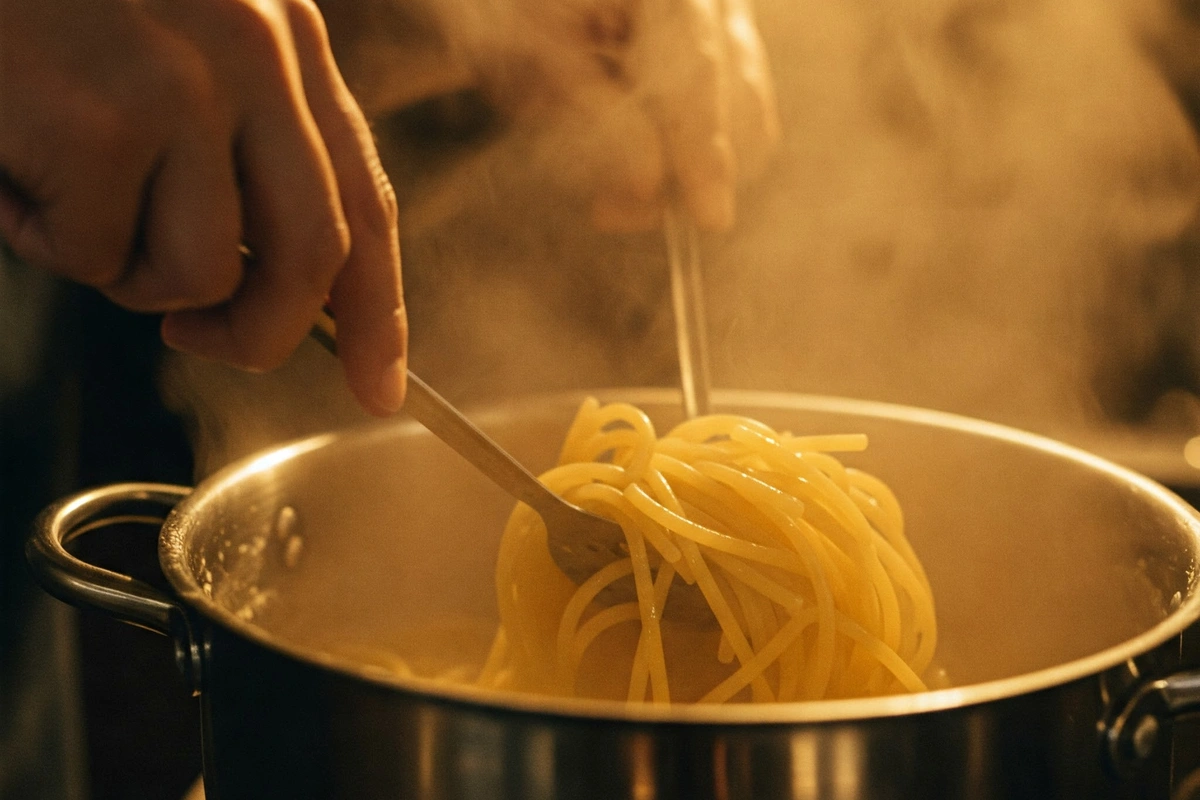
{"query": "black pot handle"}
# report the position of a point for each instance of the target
(1132, 729)
(88, 586)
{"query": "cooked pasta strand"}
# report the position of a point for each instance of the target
(812, 587)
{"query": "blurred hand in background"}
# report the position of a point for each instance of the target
(661, 96)
(667, 97)
(623, 102)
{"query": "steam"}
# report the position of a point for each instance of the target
(970, 204)
(231, 414)
(980, 206)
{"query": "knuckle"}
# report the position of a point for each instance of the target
(174, 87)
(381, 212)
(186, 94)
(387, 196)
(191, 81)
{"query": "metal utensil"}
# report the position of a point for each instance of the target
(581, 543)
(687, 298)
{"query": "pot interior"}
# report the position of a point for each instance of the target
(357, 547)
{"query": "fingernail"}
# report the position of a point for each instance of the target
(389, 392)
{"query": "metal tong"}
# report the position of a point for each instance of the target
(687, 298)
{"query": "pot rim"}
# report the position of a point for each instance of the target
(178, 527)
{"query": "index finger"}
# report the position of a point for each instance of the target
(367, 297)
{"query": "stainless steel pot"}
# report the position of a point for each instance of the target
(1065, 586)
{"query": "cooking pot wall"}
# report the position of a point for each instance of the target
(385, 545)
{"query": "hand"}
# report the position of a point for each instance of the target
(142, 144)
(659, 97)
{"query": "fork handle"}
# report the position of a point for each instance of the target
(448, 424)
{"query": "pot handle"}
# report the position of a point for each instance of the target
(1132, 731)
(88, 586)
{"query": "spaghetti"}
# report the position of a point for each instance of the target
(813, 591)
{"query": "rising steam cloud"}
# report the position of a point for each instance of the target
(981, 209)
(980, 206)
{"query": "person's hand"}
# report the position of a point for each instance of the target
(657, 97)
(143, 144)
